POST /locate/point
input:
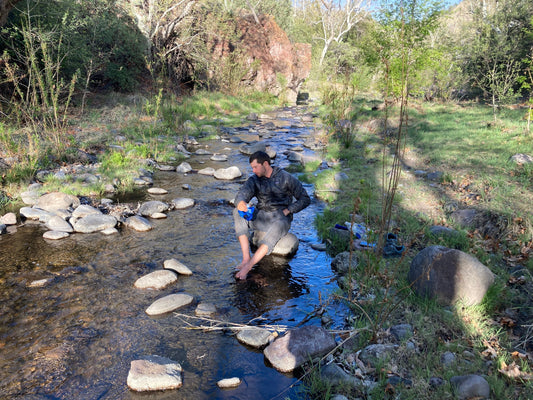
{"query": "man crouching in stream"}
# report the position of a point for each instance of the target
(275, 190)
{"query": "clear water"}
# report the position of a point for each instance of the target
(74, 338)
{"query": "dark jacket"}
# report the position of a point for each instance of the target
(275, 193)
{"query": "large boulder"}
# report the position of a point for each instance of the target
(56, 200)
(287, 246)
(270, 62)
(298, 346)
(449, 275)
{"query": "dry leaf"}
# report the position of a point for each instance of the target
(518, 356)
(513, 371)
(389, 389)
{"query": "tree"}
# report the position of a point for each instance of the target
(335, 18)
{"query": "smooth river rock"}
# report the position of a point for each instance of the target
(154, 373)
(184, 167)
(298, 346)
(159, 191)
(138, 223)
(56, 223)
(470, 387)
(229, 383)
(9, 219)
(219, 157)
(255, 337)
(84, 210)
(207, 171)
(205, 309)
(56, 200)
(152, 207)
(182, 203)
(156, 280)
(230, 173)
(177, 266)
(169, 303)
(35, 214)
(55, 235)
(94, 223)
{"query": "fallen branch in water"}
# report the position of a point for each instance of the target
(217, 325)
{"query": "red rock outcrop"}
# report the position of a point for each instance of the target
(272, 63)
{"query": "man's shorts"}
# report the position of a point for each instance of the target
(274, 224)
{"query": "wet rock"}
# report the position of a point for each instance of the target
(182, 203)
(138, 223)
(343, 262)
(9, 219)
(154, 373)
(228, 173)
(165, 167)
(84, 210)
(56, 223)
(55, 235)
(94, 223)
(109, 231)
(229, 383)
(158, 191)
(156, 280)
(65, 214)
(255, 337)
(470, 386)
(375, 353)
(152, 207)
(177, 266)
(184, 167)
(158, 216)
(449, 275)
(169, 303)
(219, 157)
(40, 282)
(251, 148)
(141, 182)
(205, 309)
(202, 152)
(3, 229)
(319, 246)
(285, 247)
(35, 214)
(207, 171)
(56, 200)
(298, 346)
(186, 186)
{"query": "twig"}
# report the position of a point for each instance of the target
(222, 325)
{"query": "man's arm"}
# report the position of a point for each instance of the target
(299, 193)
(245, 194)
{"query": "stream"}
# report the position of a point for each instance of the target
(74, 338)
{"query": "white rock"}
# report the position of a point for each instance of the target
(177, 266)
(169, 303)
(9, 219)
(109, 231)
(229, 383)
(207, 171)
(39, 283)
(230, 173)
(255, 337)
(35, 214)
(182, 203)
(56, 223)
(156, 280)
(94, 223)
(84, 210)
(154, 373)
(138, 223)
(155, 190)
(159, 215)
(55, 235)
(184, 167)
(219, 157)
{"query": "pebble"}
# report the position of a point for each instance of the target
(177, 266)
(154, 373)
(169, 303)
(156, 280)
(156, 190)
(55, 235)
(229, 383)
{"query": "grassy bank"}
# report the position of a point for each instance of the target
(144, 126)
(455, 157)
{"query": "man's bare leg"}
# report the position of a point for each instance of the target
(245, 248)
(245, 267)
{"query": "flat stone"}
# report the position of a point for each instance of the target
(169, 303)
(109, 231)
(184, 167)
(156, 280)
(30, 197)
(298, 346)
(182, 203)
(230, 173)
(177, 266)
(255, 337)
(205, 309)
(159, 216)
(55, 200)
(319, 246)
(229, 383)
(84, 210)
(155, 190)
(202, 152)
(138, 223)
(94, 223)
(56, 223)
(152, 207)
(207, 171)
(55, 235)
(154, 373)
(219, 157)
(35, 214)
(9, 219)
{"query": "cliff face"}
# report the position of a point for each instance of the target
(273, 63)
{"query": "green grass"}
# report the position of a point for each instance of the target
(472, 152)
